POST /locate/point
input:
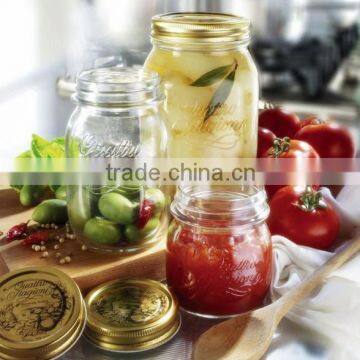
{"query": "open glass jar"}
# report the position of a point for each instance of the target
(117, 117)
(219, 251)
(210, 82)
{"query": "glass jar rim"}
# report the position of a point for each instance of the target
(220, 205)
(196, 28)
(117, 86)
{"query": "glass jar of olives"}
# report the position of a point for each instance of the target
(116, 118)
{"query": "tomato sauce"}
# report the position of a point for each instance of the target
(219, 273)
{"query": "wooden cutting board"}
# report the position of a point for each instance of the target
(88, 269)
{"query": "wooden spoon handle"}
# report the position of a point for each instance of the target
(317, 277)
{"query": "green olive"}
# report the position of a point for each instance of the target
(157, 197)
(79, 209)
(133, 233)
(130, 192)
(150, 226)
(102, 231)
(171, 228)
(60, 192)
(31, 194)
(117, 208)
(51, 211)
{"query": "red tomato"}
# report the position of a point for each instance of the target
(304, 217)
(286, 148)
(311, 120)
(265, 140)
(329, 140)
(280, 122)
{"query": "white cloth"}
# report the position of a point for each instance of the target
(334, 310)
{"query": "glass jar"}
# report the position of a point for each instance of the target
(219, 253)
(117, 117)
(210, 82)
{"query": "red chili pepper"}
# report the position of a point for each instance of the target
(17, 231)
(36, 238)
(145, 213)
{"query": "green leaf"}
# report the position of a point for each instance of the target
(38, 144)
(25, 155)
(221, 94)
(42, 148)
(212, 76)
(60, 141)
(53, 150)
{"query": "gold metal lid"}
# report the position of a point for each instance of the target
(42, 314)
(195, 28)
(131, 315)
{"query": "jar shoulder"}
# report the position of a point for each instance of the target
(193, 64)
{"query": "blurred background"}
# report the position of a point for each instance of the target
(307, 51)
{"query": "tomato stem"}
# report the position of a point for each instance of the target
(280, 145)
(311, 200)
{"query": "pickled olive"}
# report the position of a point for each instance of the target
(171, 228)
(133, 233)
(79, 210)
(60, 192)
(151, 225)
(157, 197)
(31, 194)
(117, 208)
(51, 211)
(130, 193)
(102, 231)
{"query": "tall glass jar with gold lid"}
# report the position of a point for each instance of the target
(117, 123)
(210, 82)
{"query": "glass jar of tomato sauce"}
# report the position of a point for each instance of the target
(219, 253)
(210, 84)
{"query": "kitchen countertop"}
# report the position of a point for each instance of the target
(290, 342)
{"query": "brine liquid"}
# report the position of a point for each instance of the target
(231, 130)
(213, 274)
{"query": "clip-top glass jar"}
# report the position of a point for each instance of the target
(210, 82)
(117, 117)
(219, 253)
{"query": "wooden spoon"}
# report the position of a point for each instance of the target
(248, 336)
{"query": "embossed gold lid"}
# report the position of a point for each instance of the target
(208, 28)
(131, 315)
(42, 314)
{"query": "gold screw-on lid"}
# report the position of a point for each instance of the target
(131, 315)
(195, 28)
(42, 314)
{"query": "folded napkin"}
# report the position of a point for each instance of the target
(334, 310)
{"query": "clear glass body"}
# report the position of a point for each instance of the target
(215, 118)
(116, 216)
(219, 262)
